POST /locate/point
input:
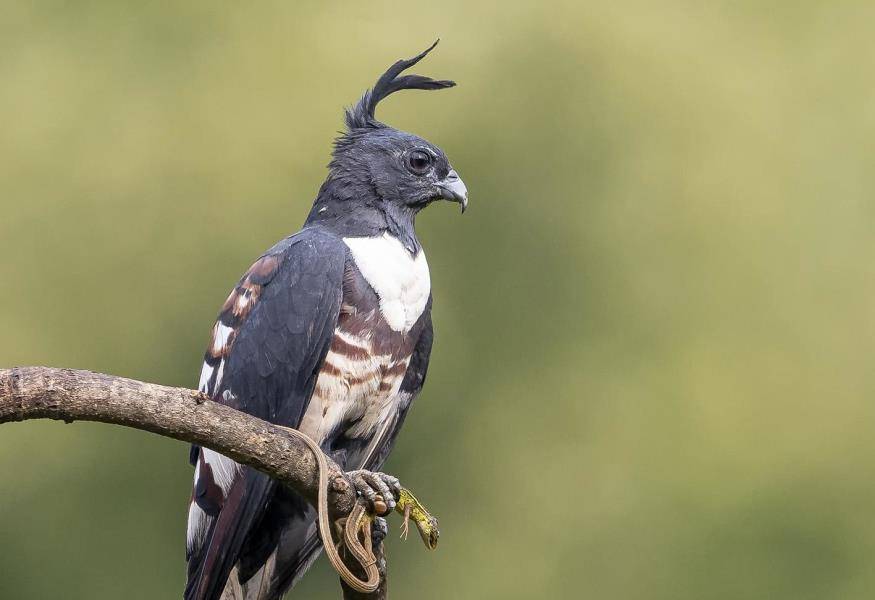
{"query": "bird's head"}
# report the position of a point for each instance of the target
(403, 172)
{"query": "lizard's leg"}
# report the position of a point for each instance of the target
(405, 525)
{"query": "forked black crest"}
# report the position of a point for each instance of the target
(362, 114)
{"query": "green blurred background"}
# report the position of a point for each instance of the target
(655, 324)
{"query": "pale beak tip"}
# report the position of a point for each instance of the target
(453, 188)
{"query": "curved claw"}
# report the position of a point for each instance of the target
(379, 489)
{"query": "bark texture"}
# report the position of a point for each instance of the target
(71, 395)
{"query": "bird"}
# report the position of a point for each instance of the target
(328, 332)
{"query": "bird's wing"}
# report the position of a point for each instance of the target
(270, 339)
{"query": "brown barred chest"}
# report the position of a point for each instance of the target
(356, 390)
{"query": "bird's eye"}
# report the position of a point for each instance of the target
(419, 161)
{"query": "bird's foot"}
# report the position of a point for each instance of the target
(379, 531)
(380, 490)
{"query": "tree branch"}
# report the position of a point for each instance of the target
(70, 395)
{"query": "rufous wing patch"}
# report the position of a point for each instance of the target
(238, 306)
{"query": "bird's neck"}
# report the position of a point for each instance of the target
(355, 210)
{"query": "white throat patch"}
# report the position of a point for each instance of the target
(402, 282)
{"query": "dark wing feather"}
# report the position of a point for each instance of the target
(266, 350)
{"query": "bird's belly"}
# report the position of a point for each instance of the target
(356, 390)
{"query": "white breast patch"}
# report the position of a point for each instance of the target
(401, 281)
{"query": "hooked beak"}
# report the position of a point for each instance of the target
(453, 188)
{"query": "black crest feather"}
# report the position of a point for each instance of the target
(362, 114)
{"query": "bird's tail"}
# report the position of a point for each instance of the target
(256, 588)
